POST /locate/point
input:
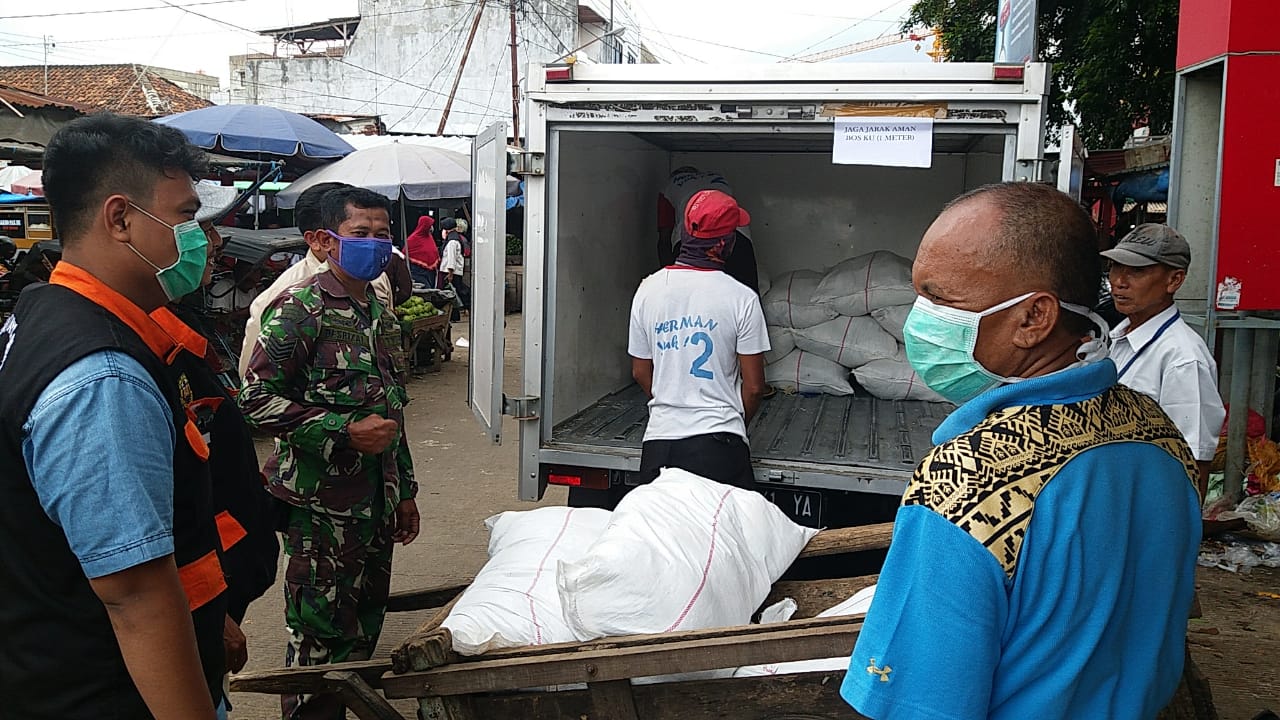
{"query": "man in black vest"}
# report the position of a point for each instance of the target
(114, 599)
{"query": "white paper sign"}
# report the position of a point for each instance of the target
(892, 141)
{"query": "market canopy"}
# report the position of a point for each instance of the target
(9, 173)
(258, 129)
(397, 170)
(29, 184)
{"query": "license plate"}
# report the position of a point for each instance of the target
(804, 507)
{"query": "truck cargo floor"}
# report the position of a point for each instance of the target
(855, 430)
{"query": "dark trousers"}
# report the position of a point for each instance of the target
(422, 276)
(723, 457)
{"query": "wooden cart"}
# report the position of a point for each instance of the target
(451, 687)
(428, 341)
(592, 680)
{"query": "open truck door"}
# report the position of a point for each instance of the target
(1071, 159)
(488, 257)
(489, 167)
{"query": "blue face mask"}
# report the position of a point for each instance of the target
(363, 258)
(940, 342)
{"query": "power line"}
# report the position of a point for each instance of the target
(404, 82)
(118, 10)
(423, 56)
(331, 96)
(99, 41)
(550, 32)
(187, 9)
(838, 33)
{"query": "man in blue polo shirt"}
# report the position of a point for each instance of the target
(1043, 558)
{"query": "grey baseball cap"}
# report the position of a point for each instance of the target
(1149, 244)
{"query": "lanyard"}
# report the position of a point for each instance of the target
(1154, 338)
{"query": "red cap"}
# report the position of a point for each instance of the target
(713, 214)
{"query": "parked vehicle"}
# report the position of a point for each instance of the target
(602, 141)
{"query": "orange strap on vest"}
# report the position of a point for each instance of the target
(202, 580)
(230, 531)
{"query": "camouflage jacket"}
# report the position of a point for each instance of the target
(320, 362)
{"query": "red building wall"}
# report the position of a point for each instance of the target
(1248, 234)
(1212, 28)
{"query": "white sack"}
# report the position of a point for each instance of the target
(513, 602)
(781, 342)
(848, 341)
(790, 303)
(892, 319)
(807, 373)
(856, 605)
(894, 380)
(681, 553)
(763, 283)
(859, 285)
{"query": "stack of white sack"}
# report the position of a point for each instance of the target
(789, 302)
(894, 380)
(892, 318)
(850, 319)
(782, 341)
(681, 553)
(849, 341)
(861, 284)
(514, 601)
(856, 605)
(808, 374)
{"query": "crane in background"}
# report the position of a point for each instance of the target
(918, 38)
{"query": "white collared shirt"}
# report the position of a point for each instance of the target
(1178, 372)
(295, 274)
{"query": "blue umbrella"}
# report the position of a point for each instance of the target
(258, 129)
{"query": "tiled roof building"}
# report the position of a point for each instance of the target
(129, 89)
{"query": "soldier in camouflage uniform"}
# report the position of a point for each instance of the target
(326, 378)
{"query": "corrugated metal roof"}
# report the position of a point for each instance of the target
(119, 88)
(27, 99)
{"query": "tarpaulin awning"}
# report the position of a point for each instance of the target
(7, 198)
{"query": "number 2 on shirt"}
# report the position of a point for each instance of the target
(696, 369)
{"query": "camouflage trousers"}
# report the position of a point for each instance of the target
(337, 579)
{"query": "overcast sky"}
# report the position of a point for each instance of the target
(107, 31)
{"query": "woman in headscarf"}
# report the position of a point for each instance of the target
(424, 254)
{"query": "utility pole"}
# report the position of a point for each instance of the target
(613, 40)
(515, 81)
(444, 117)
(44, 41)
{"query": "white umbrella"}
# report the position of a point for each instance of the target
(397, 170)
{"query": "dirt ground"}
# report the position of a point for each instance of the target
(464, 480)
(1237, 642)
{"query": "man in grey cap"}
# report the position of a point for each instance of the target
(1155, 352)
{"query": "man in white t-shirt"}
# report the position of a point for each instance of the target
(697, 344)
(1155, 351)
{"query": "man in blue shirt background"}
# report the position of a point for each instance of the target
(1043, 558)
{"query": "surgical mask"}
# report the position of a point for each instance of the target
(940, 342)
(184, 275)
(363, 258)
